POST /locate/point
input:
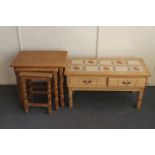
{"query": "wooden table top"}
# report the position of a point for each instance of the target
(107, 66)
(40, 59)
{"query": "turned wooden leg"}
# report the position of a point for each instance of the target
(139, 102)
(61, 74)
(56, 90)
(49, 97)
(70, 95)
(29, 83)
(19, 83)
(24, 92)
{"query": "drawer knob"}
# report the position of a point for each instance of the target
(126, 83)
(87, 81)
(129, 82)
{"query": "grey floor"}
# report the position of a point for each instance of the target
(96, 110)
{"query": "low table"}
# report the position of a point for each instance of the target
(107, 74)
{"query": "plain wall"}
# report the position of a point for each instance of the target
(79, 41)
(9, 47)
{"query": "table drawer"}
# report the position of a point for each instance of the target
(86, 81)
(101, 81)
(72, 81)
(126, 82)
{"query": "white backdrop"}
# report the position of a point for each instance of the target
(79, 41)
(8, 49)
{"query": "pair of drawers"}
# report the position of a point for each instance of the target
(86, 81)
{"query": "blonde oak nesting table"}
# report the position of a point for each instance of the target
(42, 61)
(107, 74)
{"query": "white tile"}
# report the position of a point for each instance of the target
(133, 62)
(106, 68)
(76, 68)
(121, 68)
(91, 68)
(119, 62)
(105, 62)
(136, 68)
(90, 62)
(77, 62)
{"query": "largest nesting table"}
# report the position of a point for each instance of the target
(107, 74)
(42, 61)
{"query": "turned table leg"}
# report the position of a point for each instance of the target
(56, 90)
(49, 97)
(139, 102)
(70, 95)
(30, 90)
(24, 92)
(61, 75)
(19, 85)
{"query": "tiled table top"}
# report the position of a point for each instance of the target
(107, 65)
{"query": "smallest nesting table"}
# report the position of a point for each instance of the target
(42, 61)
(107, 74)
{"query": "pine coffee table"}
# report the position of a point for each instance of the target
(107, 74)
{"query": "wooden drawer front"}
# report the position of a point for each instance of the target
(87, 81)
(127, 82)
(122, 82)
(84, 81)
(81, 81)
(112, 82)
(101, 81)
(73, 81)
